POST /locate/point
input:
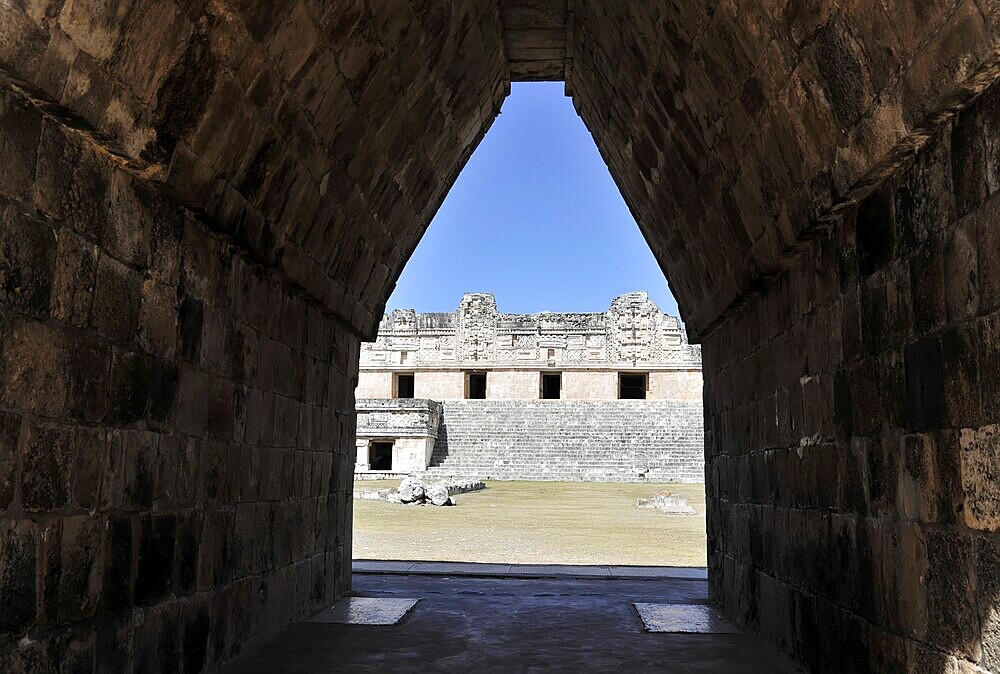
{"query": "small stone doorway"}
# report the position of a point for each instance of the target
(380, 455)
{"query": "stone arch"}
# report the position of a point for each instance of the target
(205, 205)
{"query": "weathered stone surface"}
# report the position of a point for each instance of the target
(10, 430)
(19, 544)
(561, 440)
(154, 576)
(266, 163)
(437, 494)
(32, 372)
(48, 453)
(981, 477)
(72, 583)
(411, 490)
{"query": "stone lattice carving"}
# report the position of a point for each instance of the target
(633, 332)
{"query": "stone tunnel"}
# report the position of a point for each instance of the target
(204, 205)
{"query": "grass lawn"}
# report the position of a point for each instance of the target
(536, 523)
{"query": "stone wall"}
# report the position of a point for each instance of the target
(175, 422)
(675, 386)
(601, 441)
(410, 424)
(191, 245)
(852, 438)
(632, 334)
(372, 385)
(579, 385)
(305, 145)
(437, 385)
(591, 384)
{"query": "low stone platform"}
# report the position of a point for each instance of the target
(464, 624)
(456, 487)
(379, 475)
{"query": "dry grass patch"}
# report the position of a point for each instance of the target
(536, 523)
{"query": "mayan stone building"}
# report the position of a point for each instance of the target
(204, 206)
(614, 395)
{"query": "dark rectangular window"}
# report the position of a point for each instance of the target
(380, 455)
(404, 385)
(551, 386)
(632, 386)
(476, 389)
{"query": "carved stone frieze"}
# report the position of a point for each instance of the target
(632, 333)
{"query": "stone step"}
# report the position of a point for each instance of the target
(615, 440)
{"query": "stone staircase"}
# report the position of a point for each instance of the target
(602, 441)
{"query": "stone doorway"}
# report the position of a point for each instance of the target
(380, 454)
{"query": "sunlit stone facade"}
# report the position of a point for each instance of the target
(532, 396)
(585, 354)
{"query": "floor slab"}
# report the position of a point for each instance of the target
(366, 611)
(512, 625)
(528, 570)
(683, 619)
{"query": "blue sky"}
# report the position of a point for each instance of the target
(534, 217)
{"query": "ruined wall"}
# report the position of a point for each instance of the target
(852, 438)
(175, 423)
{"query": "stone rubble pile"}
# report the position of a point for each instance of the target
(667, 503)
(413, 491)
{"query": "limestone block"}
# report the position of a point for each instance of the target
(74, 279)
(440, 385)
(951, 594)
(27, 261)
(989, 365)
(47, 466)
(72, 576)
(19, 551)
(117, 301)
(10, 429)
(155, 565)
(980, 460)
(20, 127)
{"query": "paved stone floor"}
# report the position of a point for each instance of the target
(528, 570)
(503, 624)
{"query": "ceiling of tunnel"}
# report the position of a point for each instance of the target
(324, 136)
(535, 36)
